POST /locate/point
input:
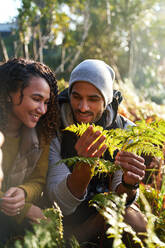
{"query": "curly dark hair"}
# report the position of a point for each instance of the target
(14, 75)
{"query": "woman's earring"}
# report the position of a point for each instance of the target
(9, 99)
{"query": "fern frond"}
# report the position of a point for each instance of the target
(152, 240)
(99, 165)
(146, 138)
(112, 207)
(145, 148)
(79, 129)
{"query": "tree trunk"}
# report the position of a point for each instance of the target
(40, 50)
(87, 26)
(3, 49)
(62, 58)
(34, 47)
(25, 51)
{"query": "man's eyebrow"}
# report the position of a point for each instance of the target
(91, 96)
(94, 96)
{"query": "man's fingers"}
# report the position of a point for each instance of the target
(124, 154)
(130, 162)
(87, 139)
(95, 146)
(132, 178)
(86, 145)
(100, 151)
(132, 165)
(129, 167)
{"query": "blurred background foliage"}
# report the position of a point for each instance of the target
(126, 34)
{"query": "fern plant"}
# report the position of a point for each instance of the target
(47, 233)
(156, 199)
(112, 207)
(152, 238)
(144, 138)
(101, 165)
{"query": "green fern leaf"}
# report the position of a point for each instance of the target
(99, 165)
(143, 138)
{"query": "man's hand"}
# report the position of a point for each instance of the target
(132, 165)
(80, 178)
(13, 201)
(35, 214)
(85, 146)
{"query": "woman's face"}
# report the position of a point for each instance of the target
(34, 103)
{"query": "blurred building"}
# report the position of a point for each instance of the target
(6, 28)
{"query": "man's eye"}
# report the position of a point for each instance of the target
(94, 99)
(76, 97)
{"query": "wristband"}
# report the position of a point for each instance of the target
(129, 186)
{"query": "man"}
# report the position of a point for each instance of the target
(89, 99)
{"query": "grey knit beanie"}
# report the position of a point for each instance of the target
(96, 72)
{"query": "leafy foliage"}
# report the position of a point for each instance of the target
(146, 138)
(112, 207)
(128, 35)
(98, 165)
(152, 240)
(47, 234)
(156, 198)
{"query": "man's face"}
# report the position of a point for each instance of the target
(87, 102)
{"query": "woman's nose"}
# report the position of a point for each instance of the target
(42, 108)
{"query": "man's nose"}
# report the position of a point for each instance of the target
(83, 106)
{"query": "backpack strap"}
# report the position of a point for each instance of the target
(120, 121)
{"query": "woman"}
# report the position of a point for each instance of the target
(28, 120)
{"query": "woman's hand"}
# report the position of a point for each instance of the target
(13, 201)
(35, 214)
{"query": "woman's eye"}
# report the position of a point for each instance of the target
(36, 99)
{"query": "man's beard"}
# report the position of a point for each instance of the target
(97, 118)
